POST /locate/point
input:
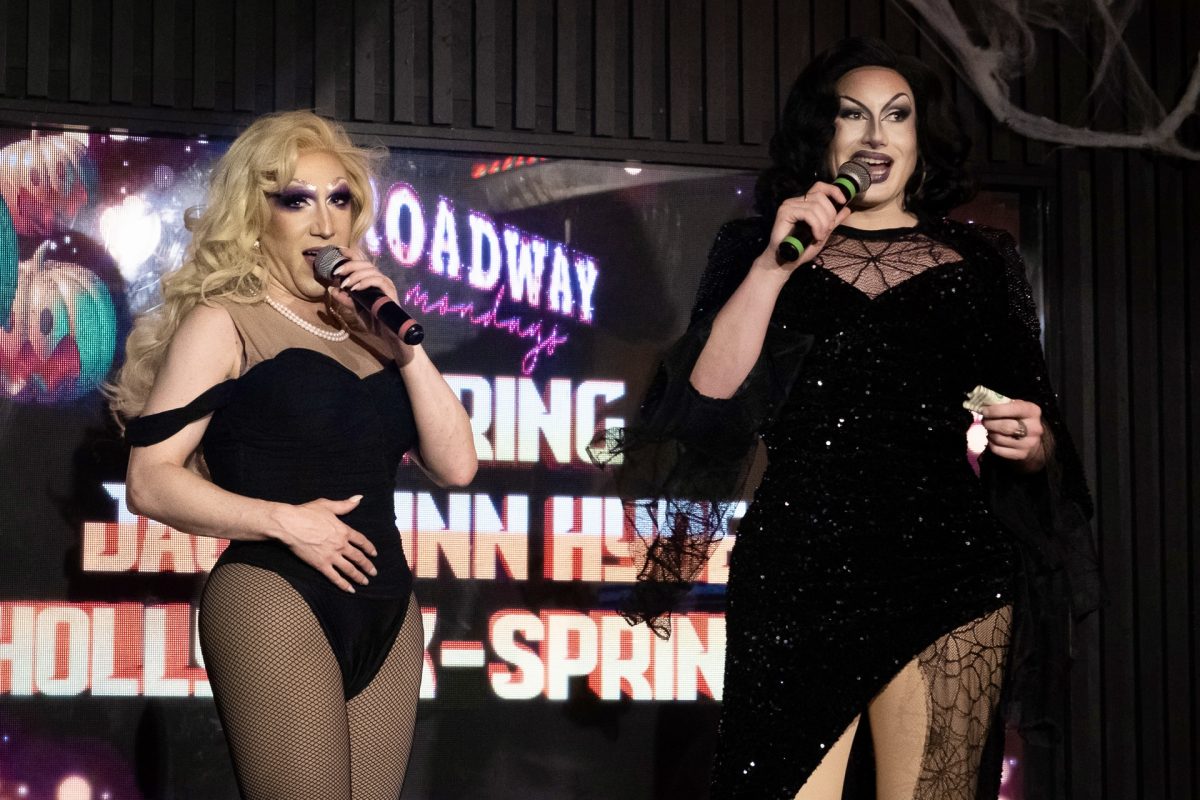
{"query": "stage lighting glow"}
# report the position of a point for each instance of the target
(74, 787)
(131, 233)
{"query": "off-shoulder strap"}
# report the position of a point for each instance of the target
(154, 428)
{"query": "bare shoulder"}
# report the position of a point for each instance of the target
(204, 351)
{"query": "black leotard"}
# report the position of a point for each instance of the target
(301, 426)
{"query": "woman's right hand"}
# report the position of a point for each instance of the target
(318, 537)
(815, 208)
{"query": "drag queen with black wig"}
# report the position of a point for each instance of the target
(262, 409)
(882, 598)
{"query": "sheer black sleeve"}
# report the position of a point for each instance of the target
(1048, 513)
(1050, 510)
(686, 456)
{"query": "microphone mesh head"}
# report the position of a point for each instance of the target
(328, 259)
(857, 174)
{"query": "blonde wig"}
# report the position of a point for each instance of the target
(223, 260)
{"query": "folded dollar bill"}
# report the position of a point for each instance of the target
(982, 396)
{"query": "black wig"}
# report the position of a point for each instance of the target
(798, 149)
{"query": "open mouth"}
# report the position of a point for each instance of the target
(878, 164)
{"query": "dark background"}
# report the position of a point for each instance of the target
(699, 83)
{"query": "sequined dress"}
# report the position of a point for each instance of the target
(870, 541)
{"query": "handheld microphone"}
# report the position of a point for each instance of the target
(370, 299)
(852, 178)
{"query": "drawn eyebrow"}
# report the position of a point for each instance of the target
(863, 105)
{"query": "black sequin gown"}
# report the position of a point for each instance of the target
(870, 539)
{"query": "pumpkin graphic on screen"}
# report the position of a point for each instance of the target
(44, 181)
(57, 343)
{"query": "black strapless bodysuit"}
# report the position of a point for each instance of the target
(301, 426)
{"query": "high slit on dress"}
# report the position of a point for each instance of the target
(870, 541)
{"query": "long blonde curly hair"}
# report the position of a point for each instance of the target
(222, 260)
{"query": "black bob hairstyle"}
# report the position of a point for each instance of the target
(798, 149)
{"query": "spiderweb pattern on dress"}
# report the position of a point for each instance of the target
(874, 266)
(291, 732)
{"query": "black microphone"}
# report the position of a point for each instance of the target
(370, 299)
(852, 178)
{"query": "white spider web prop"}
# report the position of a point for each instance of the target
(1000, 47)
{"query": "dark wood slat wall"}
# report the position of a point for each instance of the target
(702, 82)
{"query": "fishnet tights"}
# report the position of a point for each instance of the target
(874, 266)
(963, 672)
(930, 723)
(278, 686)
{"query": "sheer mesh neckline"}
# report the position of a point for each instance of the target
(874, 261)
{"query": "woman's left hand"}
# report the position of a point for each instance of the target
(1015, 432)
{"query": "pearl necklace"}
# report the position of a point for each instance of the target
(323, 333)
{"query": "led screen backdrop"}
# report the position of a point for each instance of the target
(547, 289)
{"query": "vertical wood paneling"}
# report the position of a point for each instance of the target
(1114, 501)
(1075, 216)
(1147, 447)
(81, 56)
(122, 52)
(163, 47)
(485, 63)
(1172, 312)
(141, 23)
(441, 62)
(605, 69)
(757, 66)
(683, 56)
(333, 84)
(1192, 233)
(718, 44)
(1147, 480)
(566, 57)
(793, 46)
(1078, 391)
(505, 65)
(641, 68)
(17, 47)
(829, 24)
(462, 68)
(898, 28)
(864, 17)
(5, 34)
(403, 56)
(60, 49)
(370, 20)
(38, 64)
(286, 68)
(525, 43)
(204, 61)
(244, 49)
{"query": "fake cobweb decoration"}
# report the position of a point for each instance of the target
(996, 45)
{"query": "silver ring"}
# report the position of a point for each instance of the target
(1021, 431)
